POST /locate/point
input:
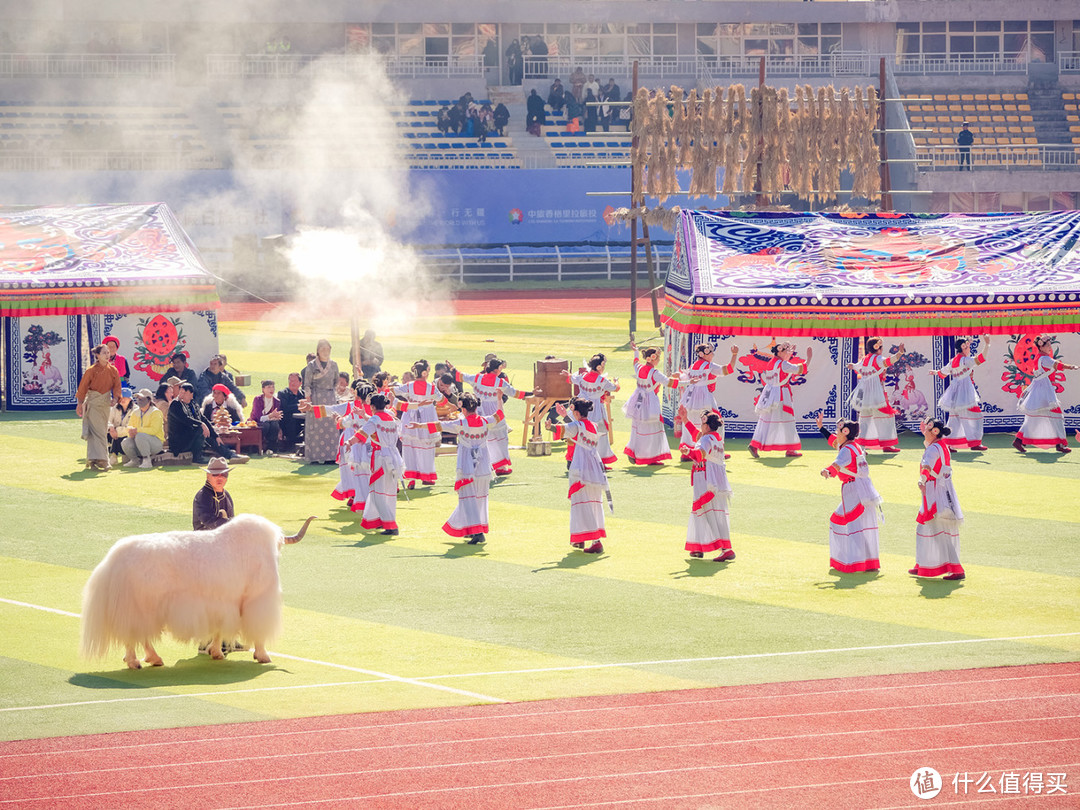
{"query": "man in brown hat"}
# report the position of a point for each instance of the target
(213, 507)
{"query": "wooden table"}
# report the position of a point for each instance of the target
(240, 437)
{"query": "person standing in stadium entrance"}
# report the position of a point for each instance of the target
(964, 140)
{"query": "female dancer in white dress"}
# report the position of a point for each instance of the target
(588, 483)
(597, 388)
(708, 529)
(490, 387)
(877, 418)
(353, 458)
(700, 394)
(473, 480)
(418, 445)
(648, 442)
(775, 429)
(853, 526)
(961, 400)
(1044, 421)
(937, 536)
(387, 467)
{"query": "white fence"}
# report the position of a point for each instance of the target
(508, 263)
(86, 65)
(276, 66)
(1068, 61)
(78, 161)
(1034, 157)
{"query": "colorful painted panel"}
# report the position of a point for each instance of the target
(890, 274)
(98, 258)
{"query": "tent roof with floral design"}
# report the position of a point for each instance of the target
(78, 259)
(845, 275)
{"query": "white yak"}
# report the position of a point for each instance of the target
(196, 585)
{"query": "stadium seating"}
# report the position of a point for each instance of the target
(996, 119)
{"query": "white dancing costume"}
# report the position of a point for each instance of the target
(708, 529)
(937, 536)
(417, 444)
(354, 459)
(961, 402)
(1044, 421)
(775, 428)
(473, 479)
(387, 467)
(489, 389)
(853, 527)
(648, 442)
(588, 482)
(594, 386)
(877, 418)
(700, 395)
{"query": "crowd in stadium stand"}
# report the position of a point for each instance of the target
(473, 119)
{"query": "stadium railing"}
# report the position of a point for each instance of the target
(1019, 157)
(34, 161)
(277, 66)
(553, 263)
(86, 65)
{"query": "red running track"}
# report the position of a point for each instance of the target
(465, 303)
(851, 742)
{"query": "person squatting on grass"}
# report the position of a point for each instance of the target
(877, 418)
(937, 536)
(961, 400)
(853, 526)
(700, 392)
(648, 441)
(1044, 420)
(588, 483)
(418, 445)
(708, 529)
(473, 477)
(489, 388)
(775, 428)
(597, 388)
(353, 458)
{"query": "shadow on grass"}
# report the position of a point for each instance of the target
(704, 567)
(938, 588)
(315, 469)
(198, 670)
(457, 551)
(778, 461)
(846, 582)
(571, 562)
(83, 475)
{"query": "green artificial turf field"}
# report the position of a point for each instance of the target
(420, 620)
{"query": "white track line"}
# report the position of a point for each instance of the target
(916, 803)
(533, 758)
(748, 656)
(383, 675)
(460, 788)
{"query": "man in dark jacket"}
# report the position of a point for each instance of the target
(189, 432)
(213, 506)
(215, 374)
(964, 139)
(534, 106)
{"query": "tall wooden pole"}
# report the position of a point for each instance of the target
(883, 148)
(635, 180)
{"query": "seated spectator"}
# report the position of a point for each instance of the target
(574, 114)
(500, 118)
(166, 393)
(267, 414)
(342, 392)
(626, 112)
(292, 421)
(535, 116)
(191, 432)
(118, 361)
(215, 374)
(221, 409)
(457, 118)
(448, 388)
(118, 419)
(145, 432)
(557, 96)
(442, 122)
(180, 369)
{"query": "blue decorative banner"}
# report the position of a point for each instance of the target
(43, 362)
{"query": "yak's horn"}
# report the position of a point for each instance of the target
(296, 538)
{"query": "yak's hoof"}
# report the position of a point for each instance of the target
(155, 661)
(133, 664)
(262, 659)
(216, 653)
